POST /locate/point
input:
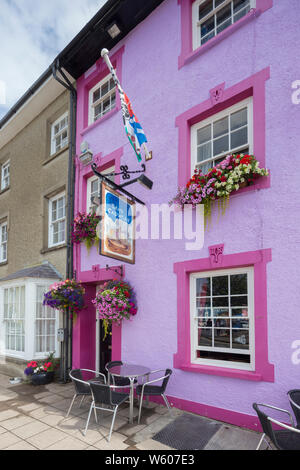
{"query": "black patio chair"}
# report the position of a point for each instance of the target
(82, 387)
(121, 381)
(294, 397)
(286, 439)
(106, 398)
(147, 389)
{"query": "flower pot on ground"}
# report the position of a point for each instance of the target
(43, 378)
(42, 372)
(115, 302)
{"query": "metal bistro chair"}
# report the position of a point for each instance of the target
(294, 397)
(154, 390)
(121, 381)
(82, 387)
(104, 394)
(286, 439)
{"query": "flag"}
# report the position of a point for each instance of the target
(133, 128)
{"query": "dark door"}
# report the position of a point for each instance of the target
(104, 347)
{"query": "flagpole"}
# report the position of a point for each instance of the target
(105, 57)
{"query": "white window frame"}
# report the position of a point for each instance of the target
(37, 353)
(3, 259)
(194, 328)
(92, 105)
(54, 136)
(226, 112)
(197, 24)
(14, 318)
(5, 178)
(52, 222)
(89, 205)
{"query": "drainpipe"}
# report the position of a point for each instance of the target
(67, 345)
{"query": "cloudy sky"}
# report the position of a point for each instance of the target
(32, 33)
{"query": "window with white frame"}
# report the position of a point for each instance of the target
(222, 318)
(45, 324)
(93, 188)
(5, 175)
(59, 134)
(3, 242)
(102, 99)
(14, 319)
(57, 220)
(230, 131)
(211, 17)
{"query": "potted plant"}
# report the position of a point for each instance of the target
(42, 372)
(66, 296)
(115, 302)
(85, 229)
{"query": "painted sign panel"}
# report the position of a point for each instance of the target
(117, 238)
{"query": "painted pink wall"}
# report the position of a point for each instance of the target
(257, 219)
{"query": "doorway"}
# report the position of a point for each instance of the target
(103, 346)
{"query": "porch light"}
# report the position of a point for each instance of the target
(86, 155)
(113, 30)
(146, 182)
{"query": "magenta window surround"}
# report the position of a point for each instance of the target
(187, 53)
(86, 83)
(220, 99)
(264, 371)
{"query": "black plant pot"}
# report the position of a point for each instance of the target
(42, 379)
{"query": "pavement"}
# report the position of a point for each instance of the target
(34, 418)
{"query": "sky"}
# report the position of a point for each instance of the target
(32, 33)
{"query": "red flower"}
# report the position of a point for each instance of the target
(223, 178)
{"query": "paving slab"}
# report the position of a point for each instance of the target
(46, 438)
(232, 438)
(7, 439)
(17, 422)
(30, 429)
(68, 443)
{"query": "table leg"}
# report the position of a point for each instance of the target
(131, 399)
(147, 397)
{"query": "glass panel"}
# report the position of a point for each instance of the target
(218, 3)
(203, 302)
(96, 95)
(203, 287)
(204, 312)
(222, 338)
(204, 323)
(240, 339)
(204, 134)
(205, 9)
(220, 301)
(106, 106)
(208, 27)
(221, 312)
(111, 84)
(204, 337)
(241, 323)
(104, 89)
(204, 152)
(113, 100)
(238, 119)
(239, 312)
(224, 26)
(224, 15)
(239, 138)
(222, 323)
(239, 301)
(221, 127)
(221, 145)
(238, 284)
(220, 285)
(207, 38)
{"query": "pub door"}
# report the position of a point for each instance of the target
(103, 346)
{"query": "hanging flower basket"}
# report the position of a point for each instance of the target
(66, 296)
(114, 303)
(232, 174)
(85, 229)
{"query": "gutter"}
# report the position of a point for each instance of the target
(67, 345)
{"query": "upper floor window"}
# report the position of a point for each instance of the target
(57, 220)
(222, 318)
(227, 132)
(3, 242)
(93, 188)
(102, 99)
(59, 134)
(5, 175)
(211, 17)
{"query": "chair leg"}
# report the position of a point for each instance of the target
(95, 412)
(88, 420)
(81, 401)
(70, 407)
(260, 442)
(167, 403)
(112, 423)
(140, 407)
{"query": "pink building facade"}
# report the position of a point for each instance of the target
(204, 81)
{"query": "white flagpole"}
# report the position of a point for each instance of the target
(105, 57)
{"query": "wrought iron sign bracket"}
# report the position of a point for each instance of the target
(118, 269)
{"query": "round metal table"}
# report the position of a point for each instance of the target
(131, 372)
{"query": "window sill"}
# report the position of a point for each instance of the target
(53, 248)
(3, 263)
(186, 58)
(220, 371)
(2, 191)
(99, 121)
(52, 157)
